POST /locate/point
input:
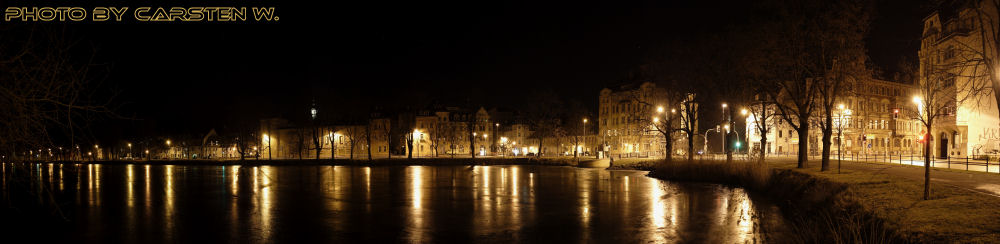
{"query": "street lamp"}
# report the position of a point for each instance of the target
(725, 149)
(840, 134)
(584, 130)
(483, 151)
(705, 145)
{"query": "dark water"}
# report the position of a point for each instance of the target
(334, 204)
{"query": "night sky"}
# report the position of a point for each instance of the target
(190, 77)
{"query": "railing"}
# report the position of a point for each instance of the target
(949, 162)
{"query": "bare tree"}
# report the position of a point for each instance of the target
(453, 134)
(47, 88)
(368, 139)
(332, 138)
(355, 137)
(470, 128)
(316, 138)
(299, 142)
(386, 130)
(543, 115)
(938, 97)
(245, 140)
(978, 58)
(835, 37)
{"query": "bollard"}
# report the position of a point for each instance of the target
(966, 163)
(949, 161)
(987, 164)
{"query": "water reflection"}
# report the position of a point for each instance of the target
(394, 204)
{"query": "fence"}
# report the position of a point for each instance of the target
(949, 162)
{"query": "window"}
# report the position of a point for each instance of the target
(779, 134)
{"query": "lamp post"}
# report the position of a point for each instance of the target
(129, 150)
(496, 131)
(840, 135)
(705, 145)
(584, 132)
(168, 147)
(746, 132)
(725, 148)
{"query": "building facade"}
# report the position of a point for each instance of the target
(953, 39)
(869, 119)
(625, 121)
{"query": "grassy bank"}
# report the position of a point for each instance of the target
(952, 215)
(856, 206)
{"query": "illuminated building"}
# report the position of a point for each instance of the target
(952, 38)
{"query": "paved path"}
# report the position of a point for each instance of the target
(982, 182)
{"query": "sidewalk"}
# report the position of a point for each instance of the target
(977, 181)
(915, 160)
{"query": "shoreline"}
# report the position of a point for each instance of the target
(856, 205)
(402, 161)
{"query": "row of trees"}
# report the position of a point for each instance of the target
(799, 61)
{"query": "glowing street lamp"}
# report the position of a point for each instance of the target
(920, 103)
(744, 112)
(659, 109)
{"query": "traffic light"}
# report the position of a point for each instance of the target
(923, 137)
(895, 113)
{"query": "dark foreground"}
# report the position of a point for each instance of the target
(308, 204)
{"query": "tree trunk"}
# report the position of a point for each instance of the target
(538, 154)
(319, 150)
(352, 148)
(409, 147)
(763, 145)
(690, 139)
(927, 162)
(803, 142)
(668, 145)
(827, 135)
